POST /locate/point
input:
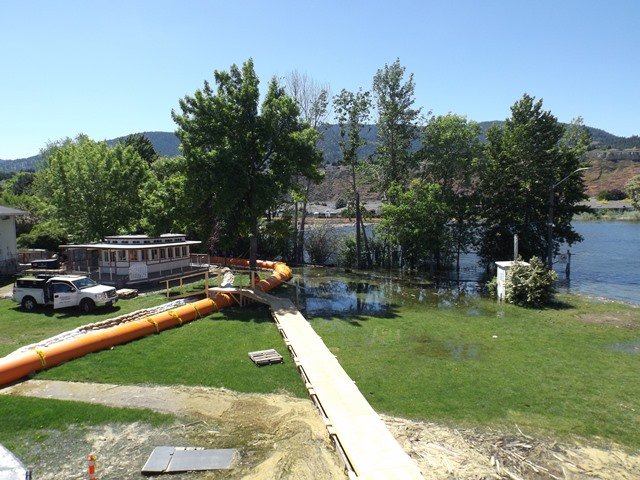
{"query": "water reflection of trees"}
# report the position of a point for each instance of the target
(329, 293)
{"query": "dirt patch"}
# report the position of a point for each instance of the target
(280, 437)
(450, 453)
(630, 320)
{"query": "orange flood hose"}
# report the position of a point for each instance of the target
(17, 365)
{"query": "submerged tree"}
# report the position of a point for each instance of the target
(241, 156)
(449, 156)
(529, 162)
(313, 101)
(414, 219)
(397, 125)
(352, 112)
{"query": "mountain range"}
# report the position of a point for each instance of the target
(618, 157)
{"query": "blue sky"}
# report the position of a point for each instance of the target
(109, 67)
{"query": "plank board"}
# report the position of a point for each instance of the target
(265, 357)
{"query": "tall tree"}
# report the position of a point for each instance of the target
(164, 198)
(397, 124)
(525, 160)
(94, 189)
(143, 146)
(414, 219)
(313, 102)
(352, 112)
(449, 155)
(241, 156)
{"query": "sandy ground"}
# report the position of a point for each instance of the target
(280, 437)
(277, 436)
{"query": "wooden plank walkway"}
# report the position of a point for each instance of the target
(368, 448)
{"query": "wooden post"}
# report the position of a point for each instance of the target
(567, 270)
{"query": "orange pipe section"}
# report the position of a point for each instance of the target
(16, 366)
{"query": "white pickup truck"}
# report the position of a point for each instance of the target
(62, 291)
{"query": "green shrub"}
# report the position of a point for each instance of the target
(613, 194)
(530, 285)
(492, 287)
(341, 203)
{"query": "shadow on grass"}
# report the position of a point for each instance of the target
(255, 312)
(65, 314)
(554, 305)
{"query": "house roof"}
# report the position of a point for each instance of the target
(11, 211)
(130, 246)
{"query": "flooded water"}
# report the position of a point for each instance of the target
(631, 347)
(606, 264)
(328, 292)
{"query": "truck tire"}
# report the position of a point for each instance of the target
(29, 303)
(87, 305)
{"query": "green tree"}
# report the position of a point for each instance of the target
(143, 146)
(241, 156)
(632, 189)
(397, 124)
(528, 158)
(19, 192)
(449, 156)
(414, 219)
(164, 198)
(352, 112)
(94, 189)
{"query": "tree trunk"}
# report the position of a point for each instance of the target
(253, 246)
(303, 220)
(294, 250)
(366, 244)
(358, 222)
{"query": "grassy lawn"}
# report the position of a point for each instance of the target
(210, 352)
(546, 370)
(18, 328)
(29, 416)
(552, 370)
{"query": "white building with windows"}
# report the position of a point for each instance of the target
(128, 259)
(8, 248)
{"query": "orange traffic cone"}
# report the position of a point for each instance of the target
(91, 458)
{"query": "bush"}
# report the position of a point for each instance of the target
(347, 252)
(48, 236)
(613, 194)
(341, 203)
(321, 242)
(492, 287)
(632, 189)
(530, 285)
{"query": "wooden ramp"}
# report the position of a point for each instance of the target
(368, 448)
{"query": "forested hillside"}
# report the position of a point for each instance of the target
(616, 158)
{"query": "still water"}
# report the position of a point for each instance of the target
(605, 265)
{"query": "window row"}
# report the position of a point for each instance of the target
(144, 255)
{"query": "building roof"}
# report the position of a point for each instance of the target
(131, 246)
(11, 211)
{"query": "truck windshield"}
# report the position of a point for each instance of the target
(84, 283)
